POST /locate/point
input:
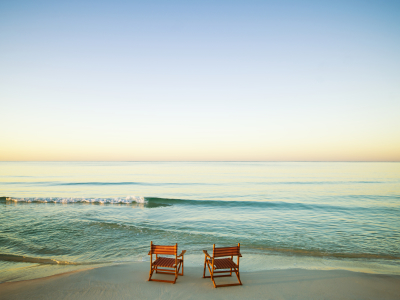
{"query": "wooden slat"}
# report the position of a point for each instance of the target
(227, 248)
(163, 250)
(226, 263)
(165, 262)
(233, 252)
(224, 252)
(227, 254)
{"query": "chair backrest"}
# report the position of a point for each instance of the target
(226, 251)
(162, 249)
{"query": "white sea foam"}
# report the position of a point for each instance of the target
(116, 200)
(137, 199)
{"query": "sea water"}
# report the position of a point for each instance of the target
(62, 216)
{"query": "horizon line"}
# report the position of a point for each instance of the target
(355, 161)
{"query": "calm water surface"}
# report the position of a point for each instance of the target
(60, 216)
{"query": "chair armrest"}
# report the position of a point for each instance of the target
(183, 252)
(206, 253)
(149, 252)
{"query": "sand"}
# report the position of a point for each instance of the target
(129, 281)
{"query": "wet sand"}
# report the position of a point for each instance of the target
(129, 281)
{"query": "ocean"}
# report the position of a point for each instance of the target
(62, 216)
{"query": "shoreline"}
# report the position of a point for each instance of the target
(129, 281)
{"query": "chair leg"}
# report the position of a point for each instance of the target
(176, 273)
(150, 274)
(162, 280)
(179, 268)
(182, 267)
(204, 271)
(236, 271)
(211, 270)
(238, 276)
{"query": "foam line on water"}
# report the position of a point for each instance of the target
(40, 260)
(116, 200)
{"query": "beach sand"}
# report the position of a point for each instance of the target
(129, 281)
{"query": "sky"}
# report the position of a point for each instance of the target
(199, 80)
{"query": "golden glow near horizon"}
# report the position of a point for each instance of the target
(199, 82)
(104, 145)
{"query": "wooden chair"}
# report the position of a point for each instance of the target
(214, 263)
(163, 265)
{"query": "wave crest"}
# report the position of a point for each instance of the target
(116, 200)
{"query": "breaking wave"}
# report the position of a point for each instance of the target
(116, 200)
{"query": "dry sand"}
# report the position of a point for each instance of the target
(129, 281)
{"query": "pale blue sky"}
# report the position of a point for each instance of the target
(212, 80)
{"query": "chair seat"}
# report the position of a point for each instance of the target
(166, 262)
(223, 263)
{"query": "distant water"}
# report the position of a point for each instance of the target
(60, 216)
